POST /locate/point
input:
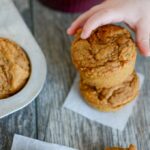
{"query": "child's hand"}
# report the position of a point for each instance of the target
(135, 13)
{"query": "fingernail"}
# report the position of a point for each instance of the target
(69, 30)
(144, 47)
(83, 35)
(148, 54)
(147, 51)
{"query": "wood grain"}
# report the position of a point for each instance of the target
(45, 119)
(24, 121)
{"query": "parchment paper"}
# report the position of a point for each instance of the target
(116, 120)
(25, 143)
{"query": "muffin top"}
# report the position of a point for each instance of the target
(108, 45)
(14, 68)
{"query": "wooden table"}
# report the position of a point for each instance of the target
(44, 119)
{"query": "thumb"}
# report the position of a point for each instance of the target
(100, 18)
(143, 38)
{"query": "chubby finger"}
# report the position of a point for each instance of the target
(143, 38)
(79, 22)
(100, 18)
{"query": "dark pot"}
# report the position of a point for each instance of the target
(70, 5)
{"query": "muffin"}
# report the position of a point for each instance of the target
(131, 147)
(14, 68)
(111, 99)
(106, 58)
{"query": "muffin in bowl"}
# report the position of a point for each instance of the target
(15, 68)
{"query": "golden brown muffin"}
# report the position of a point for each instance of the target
(131, 147)
(106, 58)
(14, 68)
(111, 99)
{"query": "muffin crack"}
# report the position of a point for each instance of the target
(101, 48)
(114, 95)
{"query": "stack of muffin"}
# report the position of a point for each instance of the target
(106, 62)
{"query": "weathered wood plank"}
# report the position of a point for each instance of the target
(22, 122)
(63, 126)
(25, 9)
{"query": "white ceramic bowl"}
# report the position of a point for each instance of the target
(32, 88)
(13, 27)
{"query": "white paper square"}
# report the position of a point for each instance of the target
(25, 143)
(75, 102)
